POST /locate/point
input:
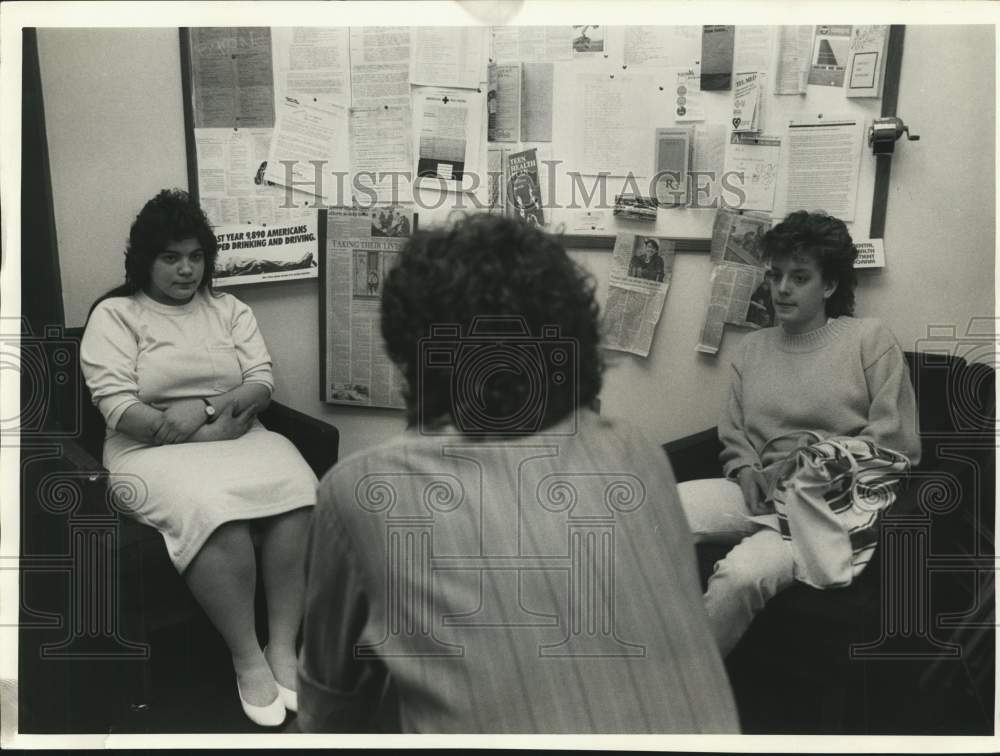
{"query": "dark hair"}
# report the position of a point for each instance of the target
(826, 240)
(169, 217)
(653, 243)
(487, 266)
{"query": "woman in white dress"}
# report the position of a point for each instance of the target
(179, 373)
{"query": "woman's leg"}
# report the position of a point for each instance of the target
(750, 575)
(283, 564)
(753, 572)
(222, 576)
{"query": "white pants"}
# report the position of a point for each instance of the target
(753, 572)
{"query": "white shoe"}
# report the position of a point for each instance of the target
(271, 715)
(288, 697)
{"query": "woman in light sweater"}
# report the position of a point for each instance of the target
(818, 370)
(179, 373)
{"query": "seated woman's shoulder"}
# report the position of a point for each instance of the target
(869, 326)
(115, 307)
(224, 301)
(874, 334)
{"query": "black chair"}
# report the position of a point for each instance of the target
(153, 595)
(843, 660)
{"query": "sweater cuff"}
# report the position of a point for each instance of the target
(113, 407)
(732, 467)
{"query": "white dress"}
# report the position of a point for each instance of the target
(134, 350)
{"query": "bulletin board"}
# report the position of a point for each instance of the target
(692, 227)
(618, 69)
(549, 123)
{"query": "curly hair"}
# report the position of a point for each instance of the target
(498, 270)
(170, 216)
(826, 240)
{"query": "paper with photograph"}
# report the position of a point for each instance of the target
(450, 151)
(262, 253)
(362, 246)
(829, 55)
(740, 295)
(641, 269)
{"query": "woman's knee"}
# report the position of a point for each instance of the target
(760, 571)
(715, 510)
(231, 535)
(295, 522)
(231, 544)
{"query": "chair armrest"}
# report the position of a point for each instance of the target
(695, 456)
(82, 460)
(317, 441)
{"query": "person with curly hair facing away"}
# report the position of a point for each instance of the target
(513, 562)
(179, 373)
(819, 369)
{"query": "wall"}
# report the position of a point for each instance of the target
(115, 129)
(114, 119)
(940, 233)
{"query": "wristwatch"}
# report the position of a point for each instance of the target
(209, 411)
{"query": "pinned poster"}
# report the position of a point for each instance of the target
(866, 61)
(503, 102)
(524, 189)
(748, 105)
(450, 153)
(829, 58)
(792, 66)
(673, 162)
(258, 253)
(756, 159)
(689, 103)
(309, 147)
(717, 57)
(871, 253)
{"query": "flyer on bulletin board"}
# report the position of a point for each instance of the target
(257, 253)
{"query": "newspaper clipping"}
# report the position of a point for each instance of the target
(640, 277)
(362, 245)
(740, 292)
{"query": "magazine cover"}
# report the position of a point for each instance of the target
(523, 190)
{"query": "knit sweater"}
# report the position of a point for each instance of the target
(848, 377)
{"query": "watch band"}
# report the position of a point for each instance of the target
(209, 411)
